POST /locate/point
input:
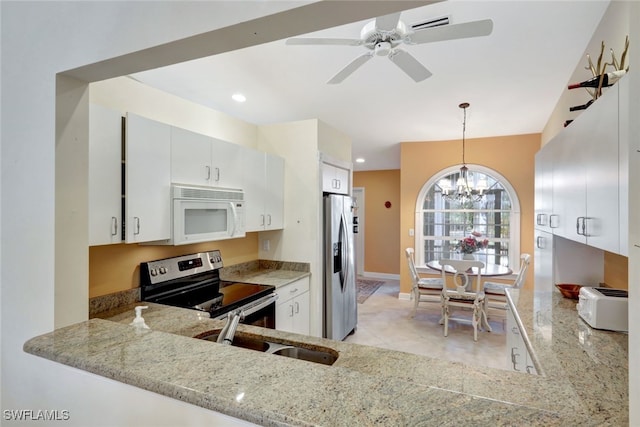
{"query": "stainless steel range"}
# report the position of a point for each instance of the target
(193, 281)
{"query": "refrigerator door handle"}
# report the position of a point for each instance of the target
(346, 250)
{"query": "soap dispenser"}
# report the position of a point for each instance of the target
(138, 322)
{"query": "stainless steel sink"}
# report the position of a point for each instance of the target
(300, 353)
(323, 355)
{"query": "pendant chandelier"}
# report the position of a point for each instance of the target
(463, 191)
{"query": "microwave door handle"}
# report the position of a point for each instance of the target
(235, 218)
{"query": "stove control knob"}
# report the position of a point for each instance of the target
(153, 272)
(163, 270)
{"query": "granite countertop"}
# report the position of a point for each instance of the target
(585, 381)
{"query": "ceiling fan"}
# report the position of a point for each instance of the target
(383, 35)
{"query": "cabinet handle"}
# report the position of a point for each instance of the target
(540, 242)
(552, 223)
(529, 367)
(338, 184)
(585, 226)
(513, 358)
(578, 226)
(208, 172)
(217, 174)
(297, 307)
(137, 226)
(262, 219)
(268, 219)
(293, 291)
(291, 313)
(114, 225)
(541, 219)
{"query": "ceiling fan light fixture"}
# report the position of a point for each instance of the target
(383, 48)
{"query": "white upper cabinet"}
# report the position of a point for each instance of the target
(226, 164)
(190, 157)
(335, 179)
(544, 188)
(105, 176)
(274, 195)
(148, 180)
(198, 159)
(589, 185)
(263, 190)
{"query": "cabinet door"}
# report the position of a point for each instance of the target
(284, 315)
(190, 157)
(569, 183)
(544, 187)
(105, 176)
(148, 180)
(274, 192)
(301, 323)
(335, 179)
(226, 164)
(253, 177)
(516, 350)
(292, 309)
(343, 180)
(600, 139)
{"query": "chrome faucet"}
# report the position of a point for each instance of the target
(229, 329)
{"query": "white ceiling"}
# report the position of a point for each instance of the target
(512, 78)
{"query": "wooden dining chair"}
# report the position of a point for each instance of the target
(462, 289)
(495, 295)
(422, 289)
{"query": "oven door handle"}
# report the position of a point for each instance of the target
(254, 306)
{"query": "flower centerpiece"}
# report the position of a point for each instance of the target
(471, 244)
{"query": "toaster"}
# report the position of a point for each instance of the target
(604, 308)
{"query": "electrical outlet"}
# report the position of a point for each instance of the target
(266, 245)
(411, 232)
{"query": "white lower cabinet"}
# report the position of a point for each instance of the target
(292, 308)
(518, 357)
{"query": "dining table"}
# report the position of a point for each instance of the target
(489, 270)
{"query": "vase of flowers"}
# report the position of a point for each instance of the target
(471, 244)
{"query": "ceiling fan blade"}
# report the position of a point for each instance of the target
(451, 32)
(311, 41)
(388, 22)
(410, 65)
(350, 68)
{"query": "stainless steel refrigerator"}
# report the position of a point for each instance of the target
(340, 300)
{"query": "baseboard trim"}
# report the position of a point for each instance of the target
(373, 275)
(404, 296)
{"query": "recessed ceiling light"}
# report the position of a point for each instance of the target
(238, 97)
(359, 160)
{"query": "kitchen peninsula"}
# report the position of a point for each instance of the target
(585, 379)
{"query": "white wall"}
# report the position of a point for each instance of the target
(301, 240)
(39, 40)
(128, 95)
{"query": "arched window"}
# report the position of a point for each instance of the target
(442, 222)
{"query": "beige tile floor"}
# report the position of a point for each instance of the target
(384, 321)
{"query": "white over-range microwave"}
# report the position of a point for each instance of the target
(203, 214)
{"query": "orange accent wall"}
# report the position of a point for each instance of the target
(616, 270)
(511, 156)
(116, 268)
(382, 231)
